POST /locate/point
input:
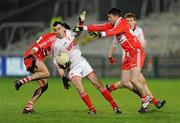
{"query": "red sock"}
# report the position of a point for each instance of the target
(86, 99)
(145, 99)
(112, 87)
(25, 80)
(109, 98)
(154, 101)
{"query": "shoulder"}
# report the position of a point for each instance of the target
(70, 33)
(139, 29)
(48, 34)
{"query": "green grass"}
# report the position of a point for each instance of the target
(58, 105)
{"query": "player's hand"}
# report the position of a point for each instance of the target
(82, 17)
(95, 34)
(112, 60)
(65, 82)
(65, 66)
(78, 29)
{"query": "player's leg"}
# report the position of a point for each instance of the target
(42, 87)
(98, 85)
(156, 102)
(41, 72)
(77, 82)
(146, 100)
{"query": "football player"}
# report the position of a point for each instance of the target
(131, 18)
(79, 67)
(134, 53)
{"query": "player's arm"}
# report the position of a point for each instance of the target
(98, 27)
(62, 75)
(79, 27)
(112, 49)
(110, 32)
(114, 31)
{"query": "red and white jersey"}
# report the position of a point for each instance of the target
(42, 46)
(124, 34)
(69, 45)
(138, 33)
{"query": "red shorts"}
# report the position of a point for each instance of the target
(133, 59)
(28, 63)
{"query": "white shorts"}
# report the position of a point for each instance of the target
(81, 69)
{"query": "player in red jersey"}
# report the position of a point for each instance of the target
(33, 60)
(131, 18)
(134, 53)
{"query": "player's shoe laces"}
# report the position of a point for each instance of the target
(117, 110)
(145, 105)
(160, 103)
(92, 111)
(108, 87)
(17, 84)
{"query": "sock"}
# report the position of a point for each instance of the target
(154, 101)
(25, 80)
(29, 105)
(145, 99)
(86, 99)
(109, 98)
(112, 87)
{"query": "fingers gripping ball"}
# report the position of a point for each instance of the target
(63, 60)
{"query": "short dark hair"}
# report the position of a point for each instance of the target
(130, 15)
(114, 11)
(65, 25)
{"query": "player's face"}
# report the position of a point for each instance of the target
(112, 19)
(131, 22)
(59, 30)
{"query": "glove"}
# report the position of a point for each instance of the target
(65, 82)
(78, 29)
(65, 66)
(112, 60)
(31, 59)
(95, 34)
(82, 17)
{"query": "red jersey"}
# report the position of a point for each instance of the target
(42, 46)
(124, 34)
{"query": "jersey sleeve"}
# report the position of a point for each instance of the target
(99, 27)
(114, 31)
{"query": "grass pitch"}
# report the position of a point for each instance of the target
(58, 105)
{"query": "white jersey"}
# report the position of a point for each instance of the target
(68, 45)
(139, 34)
(79, 66)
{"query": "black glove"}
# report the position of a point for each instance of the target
(95, 34)
(32, 59)
(65, 82)
(78, 29)
(65, 66)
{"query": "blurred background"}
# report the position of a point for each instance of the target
(23, 21)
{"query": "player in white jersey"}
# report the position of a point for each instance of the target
(79, 67)
(131, 18)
